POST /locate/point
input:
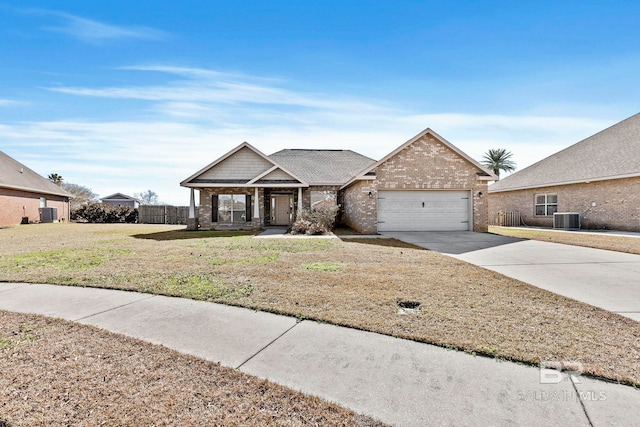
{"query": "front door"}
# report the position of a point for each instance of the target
(281, 210)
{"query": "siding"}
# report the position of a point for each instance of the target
(277, 174)
(244, 164)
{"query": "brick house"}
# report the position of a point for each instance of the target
(23, 193)
(599, 178)
(426, 184)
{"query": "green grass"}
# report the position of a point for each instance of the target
(200, 287)
(62, 259)
(323, 266)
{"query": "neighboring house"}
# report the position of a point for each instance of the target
(120, 199)
(425, 184)
(599, 178)
(23, 192)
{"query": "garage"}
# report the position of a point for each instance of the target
(423, 211)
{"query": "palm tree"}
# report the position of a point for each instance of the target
(497, 160)
(55, 178)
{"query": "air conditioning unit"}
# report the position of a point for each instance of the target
(566, 220)
(48, 214)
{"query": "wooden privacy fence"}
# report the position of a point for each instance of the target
(163, 214)
(507, 219)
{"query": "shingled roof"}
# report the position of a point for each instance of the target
(322, 167)
(610, 154)
(16, 176)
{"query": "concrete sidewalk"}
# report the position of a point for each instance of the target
(605, 279)
(397, 381)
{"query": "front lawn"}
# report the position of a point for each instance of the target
(597, 240)
(352, 283)
(59, 373)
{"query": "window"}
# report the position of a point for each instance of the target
(231, 207)
(546, 204)
(43, 202)
(323, 198)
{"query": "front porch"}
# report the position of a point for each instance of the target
(245, 208)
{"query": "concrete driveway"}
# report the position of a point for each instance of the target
(605, 279)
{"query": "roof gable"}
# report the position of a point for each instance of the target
(483, 173)
(119, 196)
(17, 176)
(244, 165)
(609, 154)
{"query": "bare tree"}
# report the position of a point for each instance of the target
(147, 197)
(81, 195)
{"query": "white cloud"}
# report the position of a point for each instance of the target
(7, 102)
(92, 31)
(208, 88)
(204, 113)
(130, 157)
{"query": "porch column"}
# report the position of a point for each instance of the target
(192, 221)
(299, 201)
(256, 205)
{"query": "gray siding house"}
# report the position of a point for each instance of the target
(119, 199)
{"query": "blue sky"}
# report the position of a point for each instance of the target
(125, 96)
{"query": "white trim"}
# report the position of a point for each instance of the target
(192, 205)
(256, 205)
(120, 197)
(186, 182)
(265, 173)
(238, 185)
(556, 184)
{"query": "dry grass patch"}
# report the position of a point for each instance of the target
(58, 373)
(462, 306)
(605, 241)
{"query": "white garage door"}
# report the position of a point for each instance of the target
(423, 211)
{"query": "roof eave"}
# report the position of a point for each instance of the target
(555, 184)
(37, 191)
(255, 185)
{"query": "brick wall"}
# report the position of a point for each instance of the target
(359, 211)
(617, 204)
(15, 204)
(427, 164)
(204, 208)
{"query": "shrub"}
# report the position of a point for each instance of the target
(103, 213)
(319, 220)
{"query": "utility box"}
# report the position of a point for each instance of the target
(566, 220)
(48, 214)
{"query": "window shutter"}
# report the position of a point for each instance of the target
(247, 213)
(214, 208)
